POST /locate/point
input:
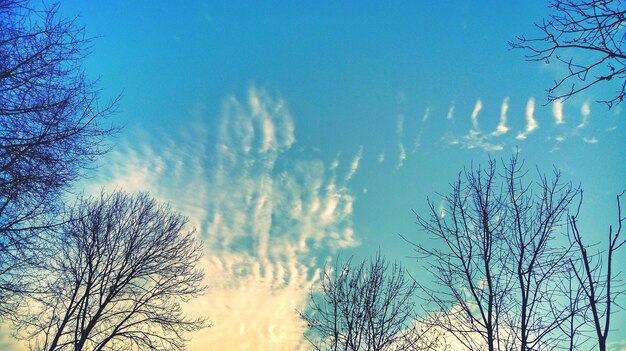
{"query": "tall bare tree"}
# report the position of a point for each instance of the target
(368, 306)
(117, 274)
(51, 127)
(495, 266)
(587, 37)
(535, 212)
(597, 279)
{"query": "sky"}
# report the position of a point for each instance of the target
(292, 133)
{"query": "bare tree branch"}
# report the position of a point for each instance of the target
(368, 306)
(51, 128)
(496, 266)
(597, 281)
(587, 37)
(118, 272)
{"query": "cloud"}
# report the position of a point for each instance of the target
(477, 107)
(8, 342)
(481, 143)
(400, 125)
(585, 111)
(354, 166)
(237, 283)
(268, 222)
(450, 139)
(334, 164)
(531, 123)
(450, 114)
(557, 111)
(381, 157)
(474, 138)
(502, 128)
(442, 209)
(591, 140)
(401, 155)
(426, 114)
(417, 143)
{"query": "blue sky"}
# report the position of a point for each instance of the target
(292, 132)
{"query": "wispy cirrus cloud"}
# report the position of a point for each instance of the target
(418, 139)
(502, 128)
(590, 140)
(477, 107)
(401, 156)
(267, 225)
(481, 143)
(334, 164)
(400, 125)
(354, 165)
(400, 134)
(450, 114)
(381, 157)
(557, 133)
(475, 138)
(426, 114)
(531, 122)
(557, 111)
(585, 111)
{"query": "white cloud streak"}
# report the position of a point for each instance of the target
(531, 123)
(426, 114)
(585, 111)
(401, 155)
(418, 139)
(477, 107)
(354, 165)
(557, 111)
(502, 128)
(590, 140)
(450, 114)
(442, 209)
(400, 125)
(475, 139)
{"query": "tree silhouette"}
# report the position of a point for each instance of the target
(587, 37)
(368, 306)
(51, 127)
(495, 266)
(114, 280)
(597, 279)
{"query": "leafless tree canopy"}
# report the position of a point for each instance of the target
(586, 36)
(367, 306)
(495, 266)
(51, 126)
(116, 276)
(597, 282)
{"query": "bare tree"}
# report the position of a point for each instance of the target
(495, 267)
(533, 215)
(367, 306)
(117, 273)
(51, 127)
(587, 37)
(597, 279)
